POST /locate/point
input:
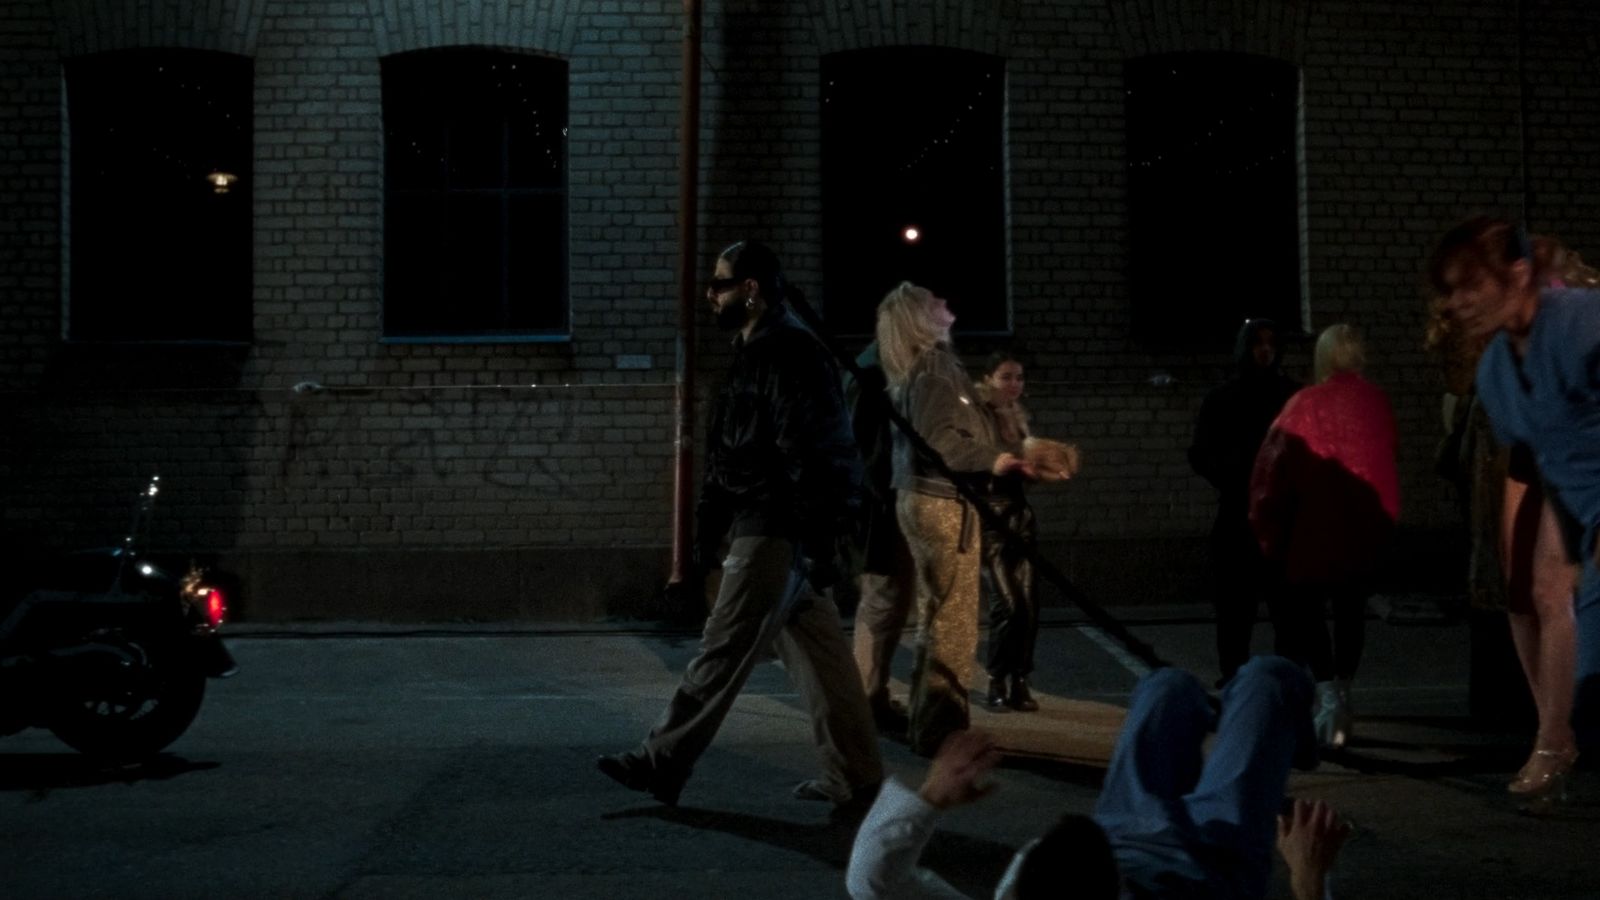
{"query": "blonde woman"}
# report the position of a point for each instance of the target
(1324, 497)
(931, 389)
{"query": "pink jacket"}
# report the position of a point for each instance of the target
(1325, 492)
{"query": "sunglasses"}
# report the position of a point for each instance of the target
(724, 284)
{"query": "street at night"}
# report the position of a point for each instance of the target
(392, 765)
(426, 359)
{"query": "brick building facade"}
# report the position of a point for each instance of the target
(345, 475)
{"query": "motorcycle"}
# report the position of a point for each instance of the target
(110, 651)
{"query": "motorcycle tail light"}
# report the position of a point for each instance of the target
(216, 606)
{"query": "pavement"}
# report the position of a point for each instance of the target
(359, 760)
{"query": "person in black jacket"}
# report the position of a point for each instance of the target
(1007, 575)
(888, 578)
(1233, 421)
(781, 477)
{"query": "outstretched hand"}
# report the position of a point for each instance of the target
(956, 775)
(1006, 463)
(1310, 836)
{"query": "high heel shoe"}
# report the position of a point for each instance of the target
(1549, 797)
(1546, 771)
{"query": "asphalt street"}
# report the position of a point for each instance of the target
(361, 761)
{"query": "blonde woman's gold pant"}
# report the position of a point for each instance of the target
(945, 546)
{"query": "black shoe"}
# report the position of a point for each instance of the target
(637, 774)
(996, 700)
(1020, 698)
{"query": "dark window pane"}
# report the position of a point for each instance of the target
(473, 257)
(159, 252)
(413, 281)
(414, 148)
(538, 124)
(536, 257)
(1213, 195)
(475, 154)
(482, 133)
(912, 138)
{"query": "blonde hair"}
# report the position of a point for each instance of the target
(1339, 349)
(906, 330)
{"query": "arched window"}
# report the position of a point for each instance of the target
(158, 224)
(475, 215)
(1213, 196)
(913, 183)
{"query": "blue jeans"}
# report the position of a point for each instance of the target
(1185, 825)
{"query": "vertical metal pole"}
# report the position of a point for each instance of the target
(1524, 95)
(688, 226)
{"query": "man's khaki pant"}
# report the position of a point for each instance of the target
(880, 618)
(765, 600)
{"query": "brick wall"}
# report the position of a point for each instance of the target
(533, 480)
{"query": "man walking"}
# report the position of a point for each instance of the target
(780, 478)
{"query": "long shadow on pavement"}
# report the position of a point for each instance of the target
(45, 772)
(1429, 747)
(972, 865)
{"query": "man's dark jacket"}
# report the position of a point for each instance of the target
(780, 457)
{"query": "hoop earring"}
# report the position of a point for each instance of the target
(749, 303)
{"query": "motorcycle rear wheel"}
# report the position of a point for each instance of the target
(135, 719)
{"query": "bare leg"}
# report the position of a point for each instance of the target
(1542, 582)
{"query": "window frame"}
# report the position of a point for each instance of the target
(505, 192)
(833, 150)
(1153, 320)
(76, 211)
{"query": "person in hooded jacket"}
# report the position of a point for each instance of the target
(1233, 420)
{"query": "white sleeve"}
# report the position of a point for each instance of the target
(883, 862)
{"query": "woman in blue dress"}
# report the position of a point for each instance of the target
(1537, 306)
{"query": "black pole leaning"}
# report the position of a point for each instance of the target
(1046, 569)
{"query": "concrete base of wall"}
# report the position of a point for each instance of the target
(576, 585)
(517, 585)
